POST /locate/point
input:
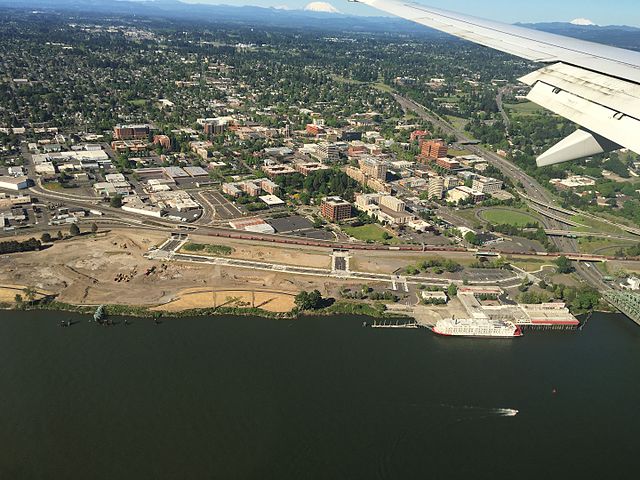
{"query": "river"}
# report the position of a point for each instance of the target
(317, 398)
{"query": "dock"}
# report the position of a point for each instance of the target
(393, 324)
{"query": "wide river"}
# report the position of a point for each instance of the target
(318, 398)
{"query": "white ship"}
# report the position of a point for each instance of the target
(483, 328)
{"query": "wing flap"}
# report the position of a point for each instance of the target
(618, 95)
(610, 123)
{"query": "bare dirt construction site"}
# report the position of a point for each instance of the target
(110, 268)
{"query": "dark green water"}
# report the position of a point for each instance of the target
(240, 398)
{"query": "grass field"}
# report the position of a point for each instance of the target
(140, 102)
(457, 122)
(504, 216)
(524, 108)
(459, 153)
(215, 250)
(602, 246)
(53, 186)
(371, 232)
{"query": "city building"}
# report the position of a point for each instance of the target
(451, 181)
(273, 171)
(216, 126)
(384, 208)
(305, 168)
(573, 181)
(124, 146)
(14, 183)
(137, 206)
(433, 149)
(269, 186)
(350, 135)
(435, 188)
(462, 193)
(448, 163)
(373, 167)
(131, 132)
(335, 209)
(256, 225)
(392, 203)
(486, 185)
(231, 189)
(272, 200)
(201, 148)
(419, 135)
(251, 189)
(163, 140)
(327, 152)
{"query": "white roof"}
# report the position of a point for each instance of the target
(271, 200)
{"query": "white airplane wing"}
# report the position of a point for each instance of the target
(593, 85)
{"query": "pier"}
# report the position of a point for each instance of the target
(394, 324)
(626, 302)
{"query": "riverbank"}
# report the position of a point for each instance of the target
(337, 308)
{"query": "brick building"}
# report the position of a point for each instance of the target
(335, 209)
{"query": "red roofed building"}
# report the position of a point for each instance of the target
(419, 135)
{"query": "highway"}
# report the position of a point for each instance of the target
(532, 188)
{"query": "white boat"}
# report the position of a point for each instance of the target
(481, 328)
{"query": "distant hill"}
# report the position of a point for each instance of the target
(620, 36)
(617, 35)
(224, 13)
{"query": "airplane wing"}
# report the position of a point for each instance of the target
(593, 85)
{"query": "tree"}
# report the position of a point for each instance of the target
(386, 236)
(46, 237)
(563, 265)
(94, 228)
(116, 201)
(29, 293)
(59, 235)
(309, 300)
(18, 299)
(74, 230)
(472, 238)
(452, 290)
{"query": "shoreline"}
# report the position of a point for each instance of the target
(338, 308)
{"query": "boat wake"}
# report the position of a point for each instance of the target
(472, 412)
(507, 412)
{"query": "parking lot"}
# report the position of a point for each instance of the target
(299, 226)
(217, 207)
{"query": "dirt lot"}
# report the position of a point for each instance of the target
(111, 268)
(291, 255)
(280, 302)
(8, 293)
(383, 262)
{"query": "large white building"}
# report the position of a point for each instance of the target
(435, 188)
(486, 185)
(14, 183)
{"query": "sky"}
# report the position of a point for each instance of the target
(601, 12)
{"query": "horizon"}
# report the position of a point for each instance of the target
(501, 10)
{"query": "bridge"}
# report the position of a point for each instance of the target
(547, 213)
(632, 230)
(577, 234)
(626, 302)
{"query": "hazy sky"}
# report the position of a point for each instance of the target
(602, 12)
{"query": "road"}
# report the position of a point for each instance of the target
(505, 118)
